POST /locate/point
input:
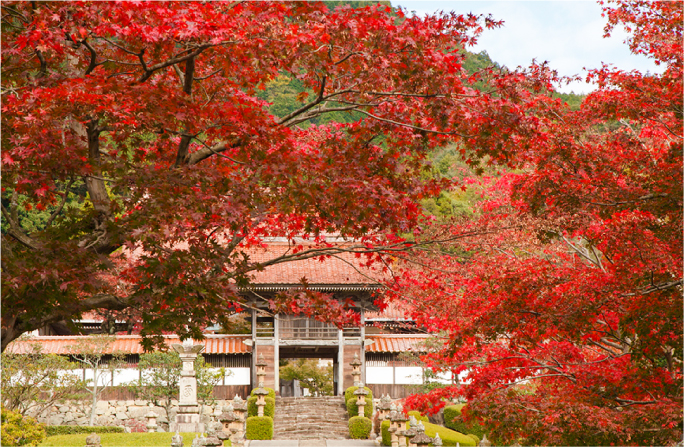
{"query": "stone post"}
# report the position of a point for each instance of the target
(188, 417)
(356, 369)
(384, 407)
(240, 407)
(394, 426)
(403, 426)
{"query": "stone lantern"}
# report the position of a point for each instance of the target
(402, 425)
(260, 394)
(361, 394)
(261, 370)
(384, 407)
(356, 369)
(485, 442)
(240, 408)
(177, 440)
(437, 441)
(227, 417)
(211, 440)
(421, 439)
(188, 418)
(151, 421)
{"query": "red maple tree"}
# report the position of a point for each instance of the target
(150, 111)
(562, 298)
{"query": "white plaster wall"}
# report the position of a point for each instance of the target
(380, 374)
(237, 376)
(408, 375)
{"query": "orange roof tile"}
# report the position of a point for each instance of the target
(394, 343)
(128, 344)
(393, 312)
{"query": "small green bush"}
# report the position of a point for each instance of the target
(20, 430)
(418, 416)
(453, 419)
(353, 409)
(260, 428)
(449, 437)
(349, 392)
(475, 438)
(253, 409)
(54, 430)
(384, 431)
(271, 392)
(360, 427)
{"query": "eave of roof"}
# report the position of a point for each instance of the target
(127, 344)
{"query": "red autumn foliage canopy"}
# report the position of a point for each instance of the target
(562, 299)
(151, 111)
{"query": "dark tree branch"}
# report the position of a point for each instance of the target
(61, 205)
(303, 109)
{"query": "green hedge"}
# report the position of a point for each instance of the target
(271, 392)
(349, 392)
(260, 428)
(20, 430)
(353, 409)
(453, 419)
(449, 437)
(384, 431)
(54, 430)
(253, 409)
(360, 427)
(418, 416)
(475, 438)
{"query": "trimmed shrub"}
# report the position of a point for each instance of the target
(360, 427)
(384, 430)
(271, 392)
(349, 392)
(20, 430)
(253, 410)
(449, 437)
(260, 428)
(418, 416)
(453, 419)
(475, 438)
(54, 430)
(353, 409)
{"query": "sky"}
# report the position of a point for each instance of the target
(567, 34)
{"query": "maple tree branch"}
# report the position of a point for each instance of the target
(61, 205)
(149, 71)
(15, 231)
(303, 109)
(93, 57)
(189, 75)
(421, 129)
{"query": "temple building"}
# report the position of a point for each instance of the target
(378, 342)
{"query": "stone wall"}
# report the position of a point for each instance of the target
(115, 413)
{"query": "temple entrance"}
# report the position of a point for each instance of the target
(308, 371)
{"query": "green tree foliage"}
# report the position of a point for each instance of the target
(160, 374)
(37, 381)
(95, 353)
(318, 379)
(20, 430)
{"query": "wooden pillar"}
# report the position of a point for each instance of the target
(276, 353)
(340, 363)
(363, 346)
(254, 349)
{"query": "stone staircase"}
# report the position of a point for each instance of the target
(310, 418)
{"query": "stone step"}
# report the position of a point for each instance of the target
(310, 418)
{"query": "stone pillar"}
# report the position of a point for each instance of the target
(363, 346)
(188, 417)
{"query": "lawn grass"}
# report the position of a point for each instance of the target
(120, 440)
